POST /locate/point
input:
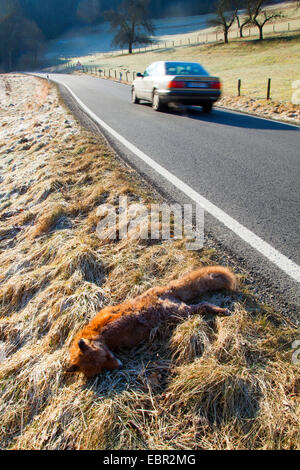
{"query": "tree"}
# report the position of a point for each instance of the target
(258, 16)
(32, 40)
(226, 11)
(88, 10)
(244, 20)
(132, 24)
(10, 17)
(53, 17)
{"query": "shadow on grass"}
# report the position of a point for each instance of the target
(141, 367)
(276, 39)
(149, 370)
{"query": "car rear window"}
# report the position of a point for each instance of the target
(185, 68)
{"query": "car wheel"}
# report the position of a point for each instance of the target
(134, 98)
(157, 105)
(207, 107)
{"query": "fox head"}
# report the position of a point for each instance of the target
(91, 357)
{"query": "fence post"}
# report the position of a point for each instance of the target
(269, 89)
(239, 86)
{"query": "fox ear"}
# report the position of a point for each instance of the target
(82, 345)
(73, 368)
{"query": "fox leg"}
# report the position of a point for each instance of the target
(183, 311)
(206, 307)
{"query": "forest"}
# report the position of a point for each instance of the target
(53, 17)
(26, 24)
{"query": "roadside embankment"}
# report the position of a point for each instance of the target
(225, 383)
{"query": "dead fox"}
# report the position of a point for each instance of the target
(128, 324)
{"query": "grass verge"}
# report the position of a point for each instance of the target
(227, 383)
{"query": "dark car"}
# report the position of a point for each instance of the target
(187, 83)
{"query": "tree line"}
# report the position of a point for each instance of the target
(132, 24)
(26, 24)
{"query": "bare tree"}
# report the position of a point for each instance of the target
(242, 20)
(132, 23)
(259, 16)
(226, 11)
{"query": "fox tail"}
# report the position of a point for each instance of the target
(202, 280)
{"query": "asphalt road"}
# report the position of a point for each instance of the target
(246, 166)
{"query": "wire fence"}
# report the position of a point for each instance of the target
(281, 26)
(129, 76)
(120, 73)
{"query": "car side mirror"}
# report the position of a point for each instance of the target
(140, 75)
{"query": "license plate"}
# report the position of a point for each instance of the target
(197, 85)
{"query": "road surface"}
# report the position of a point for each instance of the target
(246, 167)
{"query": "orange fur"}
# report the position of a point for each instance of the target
(130, 323)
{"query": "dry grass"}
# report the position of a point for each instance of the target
(223, 384)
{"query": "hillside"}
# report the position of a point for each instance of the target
(97, 38)
(251, 61)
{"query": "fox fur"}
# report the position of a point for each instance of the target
(128, 324)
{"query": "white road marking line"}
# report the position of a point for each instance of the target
(281, 261)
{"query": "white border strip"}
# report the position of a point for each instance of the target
(281, 261)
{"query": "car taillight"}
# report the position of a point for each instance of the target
(176, 84)
(215, 85)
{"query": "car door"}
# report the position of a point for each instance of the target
(138, 86)
(158, 77)
(147, 82)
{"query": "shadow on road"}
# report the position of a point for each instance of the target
(231, 118)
